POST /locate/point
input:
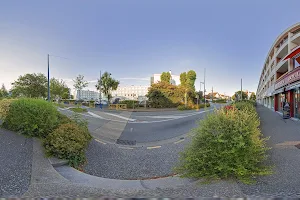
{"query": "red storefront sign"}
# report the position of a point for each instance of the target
(288, 78)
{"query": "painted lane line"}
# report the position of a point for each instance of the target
(126, 148)
(94, 115)
(155, 147)
(179, 141)
(121, 117)
(100, 141)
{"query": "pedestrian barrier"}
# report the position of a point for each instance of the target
(117, 106)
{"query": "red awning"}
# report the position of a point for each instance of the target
(293, 53)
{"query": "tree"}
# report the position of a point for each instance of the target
(3, 91)
(80, 83)
(58, 89)
(253, 96)
(107, 84)
(165, 77)
(237, 96)
(183, 79)
(190, 79)
(30, 85)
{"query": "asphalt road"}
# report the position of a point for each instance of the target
(15, 163)
(160, 137)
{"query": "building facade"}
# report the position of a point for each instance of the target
(132, 92)
(175, 79)
(280, 77)
(86, 95)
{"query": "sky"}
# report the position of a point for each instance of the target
(133, 39)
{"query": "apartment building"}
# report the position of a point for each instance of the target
(280, 77)
(132, 92)
(175, 79)
(86, 95)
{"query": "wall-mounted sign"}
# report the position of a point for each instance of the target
(288, 78)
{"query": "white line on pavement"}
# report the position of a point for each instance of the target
(100, 141)
(94, 115)
(155, 147)
(178, 141)
(126, 148)
(121, 117)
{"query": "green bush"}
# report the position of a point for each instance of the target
(220, 101)
(4, 107)
(130, 103)
(203, 105)
(78, 110)
(68, 142)
(227, 144)
(63, 119)
(33, 117)
(183, 107)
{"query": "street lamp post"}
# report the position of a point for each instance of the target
(48, 79)
(204, 89)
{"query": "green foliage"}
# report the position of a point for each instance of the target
(80, 83)
(252, 96)
(30, 85)
(3, 91)
(165, 77)
(183, 79)
(190, 79)
(165, 95)
(183, 107)
(220, 101)
(33, 117)
(4, 107)
(78, 110)
(58, 89)
(107, 84)
(69, 142)
(130, 103)
(227, 144)
(203, 105)
(237, 96)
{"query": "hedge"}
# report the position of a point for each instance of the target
(227, 144)
(130, 103)
(69, 142)
(4, 107)
(32, 117)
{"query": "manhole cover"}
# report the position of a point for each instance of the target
(298, 146)
(126, 142)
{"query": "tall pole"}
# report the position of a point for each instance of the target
(212, 94)
(48, 80)
(100, 89)
(204, 90)
(241, 89)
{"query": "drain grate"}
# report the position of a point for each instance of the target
(298, 146)
(126, 142)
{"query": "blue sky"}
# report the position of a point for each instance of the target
(134, 39)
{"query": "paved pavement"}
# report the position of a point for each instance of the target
(15, 163)
(284, 156)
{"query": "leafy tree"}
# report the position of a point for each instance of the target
(58, 89)
(30, 85)
(237, 96)
(165, 77)
(3, 91)
(107, 84)
(253, 96)
(190, 79)
(183, 79)
(80, 83)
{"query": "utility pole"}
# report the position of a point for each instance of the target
(100, 90)
(241, 89)
(48, 79)
(204, 90)
(212, 94)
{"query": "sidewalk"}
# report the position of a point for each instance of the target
(284, 156)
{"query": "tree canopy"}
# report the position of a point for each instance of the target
(253, 96)
(165, 77)
(30, 85)
(79, 82)
(59, 89)
(107, 84)
(3, 91)
(237, 96)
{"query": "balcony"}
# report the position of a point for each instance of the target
(296, 38)
(282, 50)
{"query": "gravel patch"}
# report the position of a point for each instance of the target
(15, 163)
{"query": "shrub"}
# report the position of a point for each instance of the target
(63, 119)
(220, 101)
(33, 117)
(79, 110)
(227, 144)
(130, 103)
(183, 107)
(203, 105)
(4, 107)
(68, 142)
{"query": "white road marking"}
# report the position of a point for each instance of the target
(121, 117)
(94, 115)
(155, 147)
(179, 141)
(100, 141)
(131, 129)
(126, 148)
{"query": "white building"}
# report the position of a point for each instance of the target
(130, 92)
(86, 95)
(175, 79)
